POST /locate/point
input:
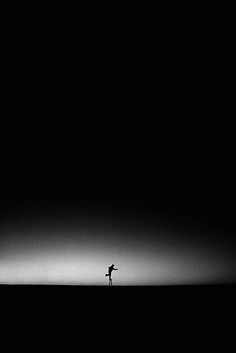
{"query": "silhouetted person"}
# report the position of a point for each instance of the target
(110, 269)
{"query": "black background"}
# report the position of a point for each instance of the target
(114, 104)
(129, 101)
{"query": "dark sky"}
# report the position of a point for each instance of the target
(118, 111)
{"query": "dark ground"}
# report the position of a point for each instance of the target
(144, 319)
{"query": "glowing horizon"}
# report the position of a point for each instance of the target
(58, 253)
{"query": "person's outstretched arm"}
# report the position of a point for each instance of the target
(115, 269)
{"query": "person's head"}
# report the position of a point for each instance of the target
(112, 265)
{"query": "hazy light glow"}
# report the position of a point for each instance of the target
(62, 254)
